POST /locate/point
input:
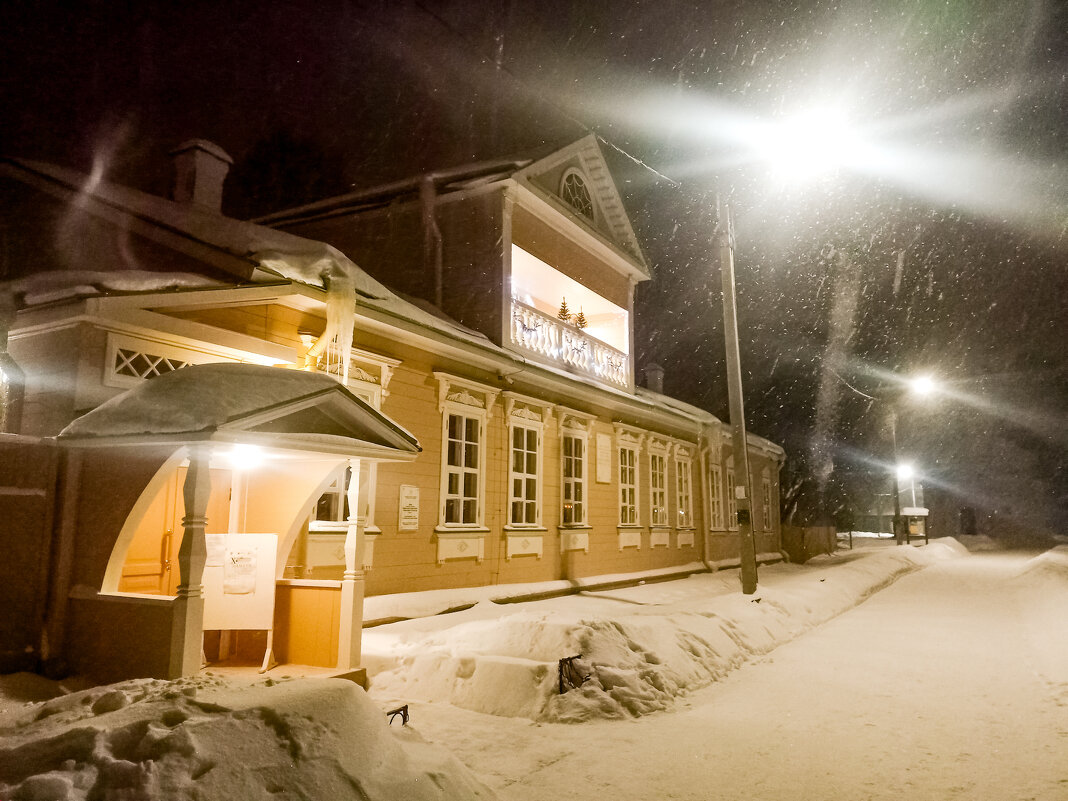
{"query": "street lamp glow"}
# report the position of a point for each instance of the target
(922, 386)
(904, 472)
(809, 144)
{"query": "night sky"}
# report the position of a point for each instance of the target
(940, 246)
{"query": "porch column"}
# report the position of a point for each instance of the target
(352, 583)
(187, 631)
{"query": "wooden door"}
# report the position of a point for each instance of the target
(151, 564)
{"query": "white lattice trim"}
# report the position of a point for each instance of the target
(132, 360)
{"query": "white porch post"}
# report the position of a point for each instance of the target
(352, 583)
(187, 630)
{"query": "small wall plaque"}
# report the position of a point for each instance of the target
(408, 509)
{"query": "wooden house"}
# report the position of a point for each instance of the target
(480, 323)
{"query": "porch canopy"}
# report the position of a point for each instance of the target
(193, 416)
(244, 403)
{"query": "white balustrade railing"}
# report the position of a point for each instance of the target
(565, 344)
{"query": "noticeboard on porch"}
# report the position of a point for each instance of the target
(239, 577)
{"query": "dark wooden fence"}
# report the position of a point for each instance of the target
(804, 542)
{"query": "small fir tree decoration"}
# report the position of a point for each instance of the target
(565, 313)
(580, 319)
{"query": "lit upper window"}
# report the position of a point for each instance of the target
(542, 287)
(574, 192)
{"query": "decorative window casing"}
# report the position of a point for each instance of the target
(658, 483)
(765, 498)
(576, 194)
(628, 448)
(732, 497)
(526, 437)
(574, 467)
(465, 412)
(715, 495)
(683, 488)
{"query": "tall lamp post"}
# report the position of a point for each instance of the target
(921, 386)
(899, 532)
(725, 235)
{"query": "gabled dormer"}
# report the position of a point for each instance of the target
(499, 247)
(573, 264)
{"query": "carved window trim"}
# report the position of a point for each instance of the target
(629, 441)
(465, 401)
(575, 192)
(527, 415)
(574, 488)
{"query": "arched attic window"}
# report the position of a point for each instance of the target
(574, 192)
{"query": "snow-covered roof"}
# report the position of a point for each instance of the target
(286, 255)
(276, 253)
(586, 151)
(199, 401)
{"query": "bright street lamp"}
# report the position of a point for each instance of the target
(922, 386)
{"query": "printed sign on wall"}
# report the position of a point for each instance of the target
(408, 512)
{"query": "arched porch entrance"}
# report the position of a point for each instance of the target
(206, 542)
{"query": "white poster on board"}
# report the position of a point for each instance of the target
(408, 511)
(239, 593)
(239, 573)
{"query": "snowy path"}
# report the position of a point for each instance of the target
(928, 690)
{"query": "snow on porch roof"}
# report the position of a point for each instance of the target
(306, 411)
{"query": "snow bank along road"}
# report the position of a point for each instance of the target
(952, 683)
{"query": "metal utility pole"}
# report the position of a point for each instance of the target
(743, 496)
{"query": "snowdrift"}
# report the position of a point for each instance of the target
(643, 647)
(206, 738)
(1043, 582)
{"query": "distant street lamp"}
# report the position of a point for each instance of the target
(922, 386)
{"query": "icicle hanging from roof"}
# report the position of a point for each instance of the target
(340, 318)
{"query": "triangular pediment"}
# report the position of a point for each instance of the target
(289, 408)
(576, 180)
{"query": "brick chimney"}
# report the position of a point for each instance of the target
(654, 377)
(200, 167)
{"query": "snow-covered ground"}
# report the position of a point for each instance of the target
(643, 647)
(951, 683)
(209, 737)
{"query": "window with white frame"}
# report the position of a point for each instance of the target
(332, 508)
(628, 485)
(732, 498)
(658, 511)
(683, 499)
(525, 428)
(574, 192)
(574, 466)
(463, 469)
(715, 495)
(465, 409)
(628, 445)
(765, 492)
